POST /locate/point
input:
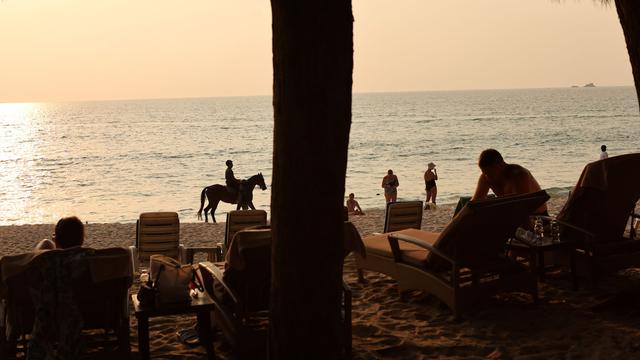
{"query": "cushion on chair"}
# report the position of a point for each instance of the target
(410, 253)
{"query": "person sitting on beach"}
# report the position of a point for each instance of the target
(604, 154)
(69, 232)
(352, 205)
(390, 184)
(430, 177)
(504, 179)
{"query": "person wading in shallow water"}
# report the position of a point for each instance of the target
(430, 177)
(233, 184)
(390, 184)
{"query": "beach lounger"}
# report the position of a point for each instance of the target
(597, 212)
(466, 263)
(157, 233)
(73, 290)
(241, 219)
(241, 292)
(398, 216)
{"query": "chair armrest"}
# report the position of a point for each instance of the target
(3, 318)
(134, 259)
(182, 254)
(217, 275)
(589, 236)
(395, 247)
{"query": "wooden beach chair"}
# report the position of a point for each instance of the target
(398, 216)
(466, 263)
(241, 291)
(596, 214)
(157, 233)
(70, 288)
(241, 219)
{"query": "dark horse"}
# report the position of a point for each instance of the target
(216, 193)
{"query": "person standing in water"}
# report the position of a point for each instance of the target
(390, 184)
(604, 154)
(430, 177)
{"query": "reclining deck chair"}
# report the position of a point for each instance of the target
(157, 233)
(241, 293)
(53, 295)
(465, 263)
(598, 211)
(239, 220)
(398, 216)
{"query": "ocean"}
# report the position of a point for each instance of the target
(109, 161)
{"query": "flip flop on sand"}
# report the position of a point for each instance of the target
(188, 337)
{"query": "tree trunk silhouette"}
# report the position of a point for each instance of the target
(629, 14)
(313, 65)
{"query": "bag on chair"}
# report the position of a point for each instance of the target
(171, 279)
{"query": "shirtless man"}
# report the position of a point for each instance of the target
(352, 206)
(504, 179)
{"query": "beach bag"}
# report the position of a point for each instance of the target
(171, 279)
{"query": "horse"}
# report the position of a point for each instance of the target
(216, 193)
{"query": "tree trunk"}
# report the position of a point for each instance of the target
(313, 65)
(629, 14)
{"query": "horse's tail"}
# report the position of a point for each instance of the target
(201, 203)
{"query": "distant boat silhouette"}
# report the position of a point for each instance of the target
(590, 85)
(574, 86)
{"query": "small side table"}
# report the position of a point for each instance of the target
(214, 253)
(537, 252)
(201, 306)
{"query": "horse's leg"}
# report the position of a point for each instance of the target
(206, 219)
(213, 210)
(251, 205)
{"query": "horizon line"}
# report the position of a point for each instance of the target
(270, 95)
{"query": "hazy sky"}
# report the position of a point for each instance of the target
(83, 50)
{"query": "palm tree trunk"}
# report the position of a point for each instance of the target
(313, 65)
(629, 14)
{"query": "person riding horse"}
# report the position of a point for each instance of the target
(233, 185)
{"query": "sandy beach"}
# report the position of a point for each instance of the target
(566, 323)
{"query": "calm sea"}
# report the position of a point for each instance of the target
(109, 161)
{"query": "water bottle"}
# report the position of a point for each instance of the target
(538, 229)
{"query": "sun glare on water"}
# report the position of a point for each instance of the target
(21, 136)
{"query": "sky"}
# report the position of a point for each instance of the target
(68, 50)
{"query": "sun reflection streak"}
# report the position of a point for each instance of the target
(19, 127)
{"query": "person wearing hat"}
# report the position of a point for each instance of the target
(430, 177)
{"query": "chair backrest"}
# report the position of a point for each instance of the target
(249, 268)
(96, 282)
(241, 219)
(478, 234)
(158, 233)
(604, 197)
(403, 215)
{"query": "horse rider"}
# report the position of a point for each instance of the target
(233, 184)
